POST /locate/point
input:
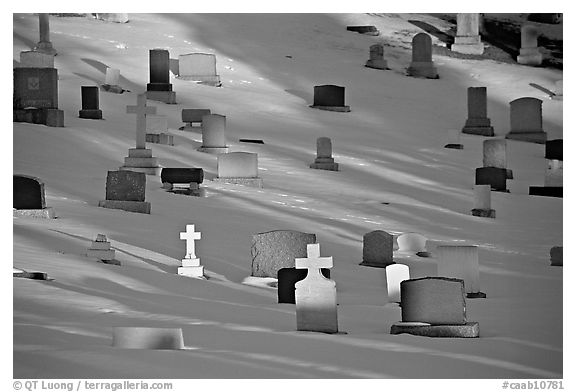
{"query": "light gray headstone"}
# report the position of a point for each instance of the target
(494, 153)
(197, 64)
(411, 242)
(238, 165)
(213, 130)
(461, 262)
(396, 274)
(482, 197)
(467, 24)
(112, 76)
(554, 173)
(156, 123)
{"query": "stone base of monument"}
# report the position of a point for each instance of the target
(209, 80)
(533, 137)
(468, 45)
(214, 150)
(191, 189)
(148, 338)
(49, 117)
(549, 191)
(255, 182)
(530, 56)
(191, 268)
(476, 295)
(112, 88)
(45, 47)
(484, 213)
(141, 160)
(478, 126)
(377, 64)
(468, 330)
(332, 108)
(426, 70)
(42, 213)
(454, 146)
(92, 114)
(168, 97)
(324, 164)
(142, 207)
(160, 138)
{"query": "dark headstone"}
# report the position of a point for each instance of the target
(35, 88)
(28, 193)
(433, 300)
(422, 48)
(555, 256)
(328, 95)
(159, 71)
(182, 175)
(554, 149)
(125, 185)
(378, 248)
(493, 176)
(30, 275)
(369, 30)
(253, 141)
(194, 115)
(287, 278)
(90, 103)
(545, 18)
(548, 191)
(277, 249)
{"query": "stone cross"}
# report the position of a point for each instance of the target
(190, 235)
(141, 110)
(314, 262)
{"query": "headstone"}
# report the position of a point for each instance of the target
(378, 249)
(467, 35)
(478, 122)
(368, 30)
(494, 155)
(558, 90)
(482, 203)
(19, 273)
(33, 59)
(493, 176)
(324, 160)
(461, 261)
(316, 308)
(453, 136)
(29, 197)
(395, 275)
(422, 65)
(90, 103)
(36, 96)
(100, 249)
(330, 97)
(160, 88)
(556, 256)
(199, 67)
(553, 178)
(190, 263)
(529, 52)
(191, 116)
(277, 249)
(412, 243)
(214, 134)
(148, 338)
(239, 168)
(182, 175)
(434, 307)
(111, 82)
(526, 120)
(140, 159)
(44, 45)
(554, 149)
(157, 128)
(287, 278)
(126, 190)
(377, 57)
(160, 138)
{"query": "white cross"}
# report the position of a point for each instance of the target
(189, 235)
(141, 110)
(314, 262)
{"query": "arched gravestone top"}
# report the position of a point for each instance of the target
(529, 36)
(422, 48)
(378, 248)
(28, 193)
(329, 95)
(376, 52)
(526, 115)
(238, 165)
(411, 242)
(278, 249)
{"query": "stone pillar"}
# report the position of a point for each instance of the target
(529, 53)
(467, 37)
(214, 134)
(478, 122)
(482, 202)
(526, 120)
(44, 45)
(324, 160)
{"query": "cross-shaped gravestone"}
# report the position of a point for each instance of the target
(314, 262)
(141, 110)
(190, 236)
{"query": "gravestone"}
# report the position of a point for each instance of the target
(324, 160)
(316, 306)
(529, 51)
(453, 136)
(376, 59)
(239, 168)
(126, 190)
(493, 176)
(422, 65)
(287, 278)
(146, 338)
(112, 81)
(330, 97)
(214, 134)
(44, 45)
(190, 263)
(199, 67)
(554, 149)
(191, 116)
(467, 38)
(412, 243)
(378, 249)
(28, 197)
(395, 275)
(174, 178)
(90, 103)
(36, 97)
(160, 88)
(556, 256)
(482, 203)
(478, 122)
(33, 59)
(494, 155)
(157, 128)
(140, 159)
(526, 120)
(434, 307)
(160, 138)
(461, 262)
(553, 178)
(277, 249)
(100, 249)
(19, 273)
(368, 30)
(558, 90)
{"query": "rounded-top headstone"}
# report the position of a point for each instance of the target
(378, 248)
(529, 36)
(526, 115)
(148, 338)
(411, 242)
(324, 147)
(28, 193)
(422, 48)
(376, 52)
(214, 130)
(238, 165)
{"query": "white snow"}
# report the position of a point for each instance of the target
(390, 150)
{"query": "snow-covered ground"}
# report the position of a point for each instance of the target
(395, 176)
